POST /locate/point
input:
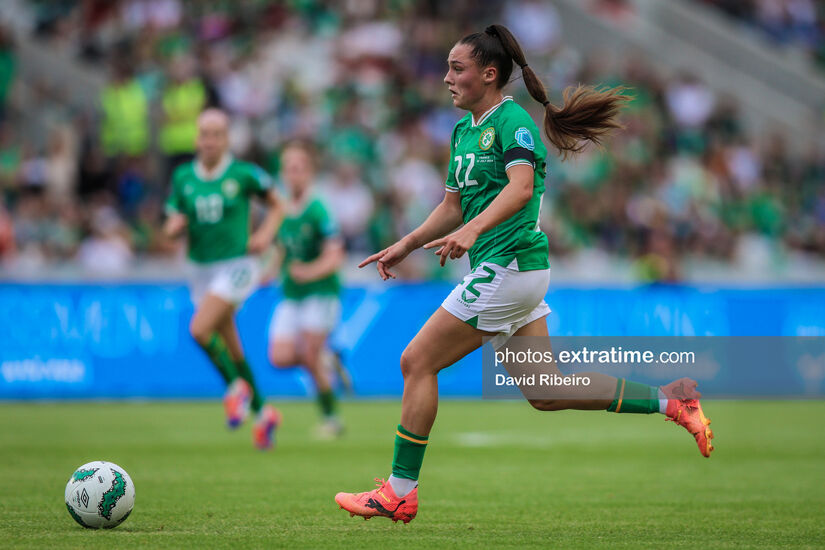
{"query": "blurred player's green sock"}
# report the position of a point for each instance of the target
(245, 372)
(326, 400)
(219, 355)
(409, 454)
(633, 397)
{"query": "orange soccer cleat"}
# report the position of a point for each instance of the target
(683, 388)
(688, 413)
(380, 502)
(236, 402)
(263, 432)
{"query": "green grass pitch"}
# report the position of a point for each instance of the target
(496, 475)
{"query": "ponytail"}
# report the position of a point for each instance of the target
(587, 114)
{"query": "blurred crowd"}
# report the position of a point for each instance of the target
(797, 23)
(363, 79)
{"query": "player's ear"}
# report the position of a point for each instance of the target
(489, 75)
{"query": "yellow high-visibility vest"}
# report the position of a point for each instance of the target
(125, 127)
(182, 103)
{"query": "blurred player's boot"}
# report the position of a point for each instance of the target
(330, 428)
(688, 413)
(335, 367)
(380, 502)
(263, 432)
(236, 402)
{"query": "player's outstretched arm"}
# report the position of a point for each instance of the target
(331, 257)
(174, 225)
(265, 233)
(510, 200)
(443, 219)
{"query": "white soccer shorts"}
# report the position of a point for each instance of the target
(317, 314)
(233, 280)
(499, 299)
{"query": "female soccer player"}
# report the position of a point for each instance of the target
(210, 199)
(494, 187)
(313, 252)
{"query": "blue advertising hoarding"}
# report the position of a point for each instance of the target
(82, 341)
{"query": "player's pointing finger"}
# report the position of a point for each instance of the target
(372, 258)
(437, 242)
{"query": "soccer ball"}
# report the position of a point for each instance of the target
(100, 495)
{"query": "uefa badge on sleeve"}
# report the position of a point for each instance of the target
(525, 139)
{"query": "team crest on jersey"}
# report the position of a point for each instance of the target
(525, 138)
(487, 137)
(230, 188)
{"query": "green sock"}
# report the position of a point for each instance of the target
(326, 400)
(219, 355)
(633, 397)
(409, 453)
(245, 372)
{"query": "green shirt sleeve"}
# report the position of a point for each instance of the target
(327, 226)
(257, 181)
(519, 136)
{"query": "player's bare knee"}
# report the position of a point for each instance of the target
(274, 358)
(410, 366)
(281, 358)
(199, 332)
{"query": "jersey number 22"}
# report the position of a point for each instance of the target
(471, 161)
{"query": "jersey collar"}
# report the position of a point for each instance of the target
(296, 208)
(490, 111)
(219, 170)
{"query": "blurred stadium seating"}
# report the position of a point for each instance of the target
(704, 184)
(798, 24)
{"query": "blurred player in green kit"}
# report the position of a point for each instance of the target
(313, 253)
(210, 202)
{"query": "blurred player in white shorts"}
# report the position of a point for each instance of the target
(210, 202)
(313, 252)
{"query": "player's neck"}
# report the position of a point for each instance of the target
(299, 198)
(486, 103)
(210, 167)
(212, 170)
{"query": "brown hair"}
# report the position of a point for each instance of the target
(588, 113)
(304, 145)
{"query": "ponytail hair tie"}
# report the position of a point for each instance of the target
(545, 103)
(523, 66)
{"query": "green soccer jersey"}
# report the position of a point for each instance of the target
(481, 152)
(217, 208)
(303, 235)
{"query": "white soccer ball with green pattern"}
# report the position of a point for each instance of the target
(100, 495)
